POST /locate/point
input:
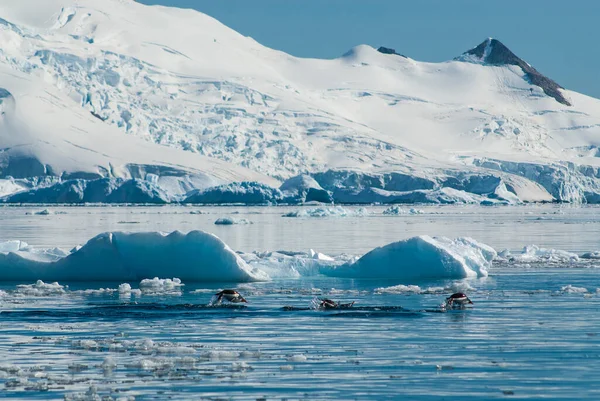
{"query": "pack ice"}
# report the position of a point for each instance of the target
(202, 257)
(100, 103)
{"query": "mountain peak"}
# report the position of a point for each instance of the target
(493, 52)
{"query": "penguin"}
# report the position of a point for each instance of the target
(230, 295)
(329, 304)
(458, 299)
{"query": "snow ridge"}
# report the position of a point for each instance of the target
(493, 52)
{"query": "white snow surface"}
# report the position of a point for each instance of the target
(93, 88)
(421, 258)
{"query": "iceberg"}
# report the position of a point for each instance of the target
(421, 258)
(117, 256)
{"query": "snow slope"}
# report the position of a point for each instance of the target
(96, 70)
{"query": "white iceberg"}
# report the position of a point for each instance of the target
(421, 258)
(193, 257)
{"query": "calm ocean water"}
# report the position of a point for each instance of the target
(533, 333)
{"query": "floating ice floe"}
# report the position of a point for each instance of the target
(161, 286)
(228, 221)
(535, 254)
(290, 265)
(591, 255)
(570, 289)
(421, 258)
(125, 290)
(193, 257)
(457, 286)
(40, 289)
(336, 211)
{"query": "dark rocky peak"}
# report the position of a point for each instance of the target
(387, 50)
(493, 52)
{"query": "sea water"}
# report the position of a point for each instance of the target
(533, 332)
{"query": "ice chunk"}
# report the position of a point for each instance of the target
(457, 286)
(535, 254)
(395, 210)
(297, 358)
(320, 256)
(570, 289)
(40, 289)
(421, 258)
(228, 221)
(399, 289)
(587, 255)
(193, 257)
(12, 246)
(290, 265)
(336, 211)
(158, 286)
(198, 212)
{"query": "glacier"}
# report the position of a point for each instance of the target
(98, 103)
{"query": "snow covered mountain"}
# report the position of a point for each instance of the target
(92, 88)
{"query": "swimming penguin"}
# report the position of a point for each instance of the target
(329, 304)
(230, 295)
(458, 299)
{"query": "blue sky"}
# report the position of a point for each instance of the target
(559, 38)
